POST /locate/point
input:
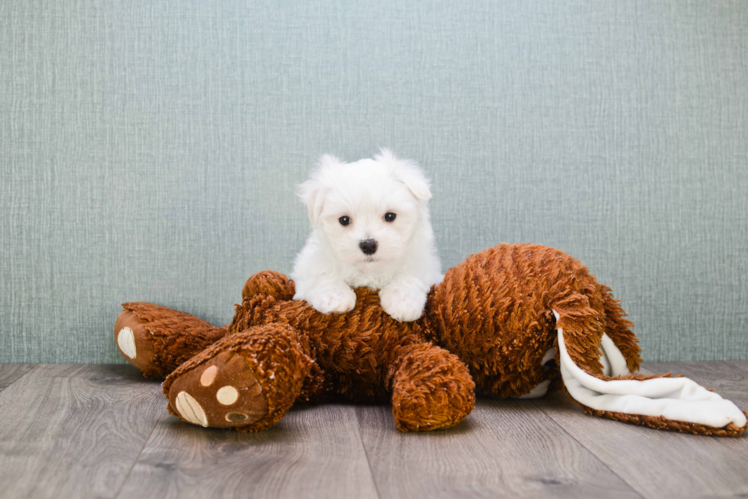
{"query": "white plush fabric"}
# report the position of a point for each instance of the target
(673, 398)
(538, 391)
(614, 363)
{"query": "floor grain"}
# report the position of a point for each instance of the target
(312, 452)
(665, 464)
(103, 431)
(74, 430)
(10, 373)
(505, 448)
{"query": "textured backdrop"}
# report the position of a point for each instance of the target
(148, 150)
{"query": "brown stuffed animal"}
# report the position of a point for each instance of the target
(517, 320)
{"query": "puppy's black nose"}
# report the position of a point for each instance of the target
(368, 246)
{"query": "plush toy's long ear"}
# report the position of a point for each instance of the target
(657, 401)
(408, 172)
(311, 192)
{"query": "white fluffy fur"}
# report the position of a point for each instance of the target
(331, 263)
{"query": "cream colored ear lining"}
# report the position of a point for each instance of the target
(614, 363)
(538, 391)
(542, 388)
(672, 398)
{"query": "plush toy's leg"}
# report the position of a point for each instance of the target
(431, 388)
(157, 339)
(247, 380)
(658, 401)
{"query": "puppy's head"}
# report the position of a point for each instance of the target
(367, 211)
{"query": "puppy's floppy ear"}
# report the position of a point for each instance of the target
(312, 191)
(408, 172)
(416, 182)
(309, 192)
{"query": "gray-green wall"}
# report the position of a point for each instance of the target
(148, 150)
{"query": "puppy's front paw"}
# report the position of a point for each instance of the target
(336, 300)
(402, 303)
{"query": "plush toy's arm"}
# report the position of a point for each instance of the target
(157, 339)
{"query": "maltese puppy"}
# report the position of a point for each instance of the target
(370, 228)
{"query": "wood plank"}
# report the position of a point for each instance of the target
(315, 451)
(659, 463)
(9, 373)
(78, 430)
(74, 430)
(505, 448)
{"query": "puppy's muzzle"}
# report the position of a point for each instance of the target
(369, 247)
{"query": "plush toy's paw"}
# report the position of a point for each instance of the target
(156, 339)
(403, 303)
(247, 380)
(431, 389)
(334, 300)
(220, 392)
(132, 338)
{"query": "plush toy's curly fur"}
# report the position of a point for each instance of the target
(490, 323)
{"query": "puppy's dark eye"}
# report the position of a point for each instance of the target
(389, 216)
(345, 220)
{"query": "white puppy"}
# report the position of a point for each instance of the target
(370, 228)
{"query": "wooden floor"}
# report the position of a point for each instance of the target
(103, 431)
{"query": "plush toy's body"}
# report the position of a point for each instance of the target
(518, 320)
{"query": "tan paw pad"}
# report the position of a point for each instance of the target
(208, 376)
(236, 418)
(227, 395)
(126, 342)
(190, 409)
(133, 340)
